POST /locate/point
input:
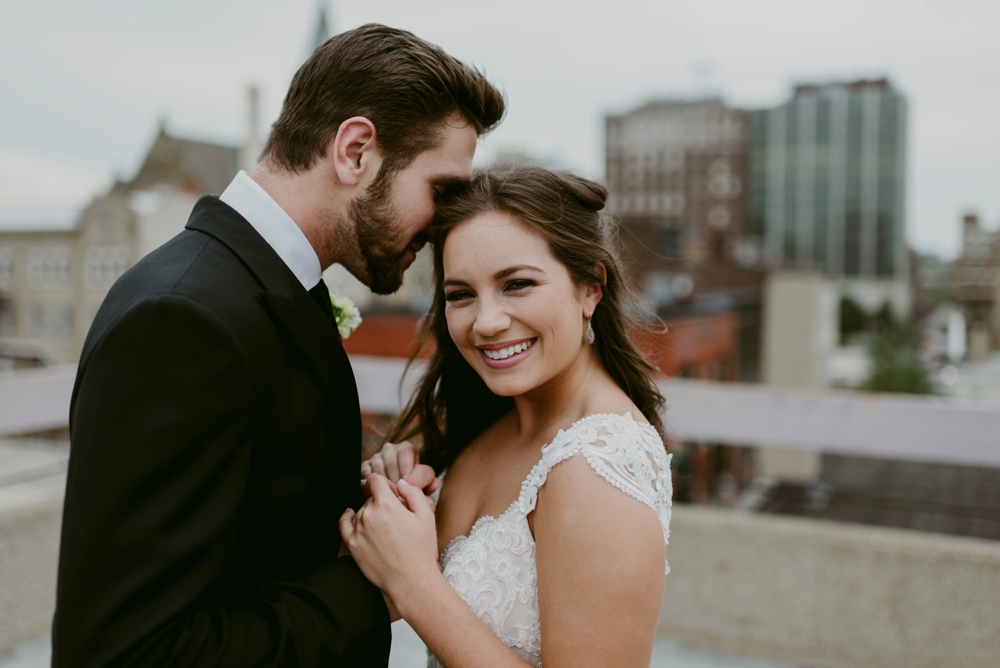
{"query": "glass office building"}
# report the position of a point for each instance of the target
(827, 179)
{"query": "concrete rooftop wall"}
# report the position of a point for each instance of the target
(815, 593)
(831, 595)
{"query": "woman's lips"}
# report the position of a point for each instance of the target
(504, 355)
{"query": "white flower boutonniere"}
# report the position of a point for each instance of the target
(347, 315)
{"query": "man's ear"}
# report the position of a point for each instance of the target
(354, 151)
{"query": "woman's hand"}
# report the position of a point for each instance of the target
(400, 462)
(393, 539)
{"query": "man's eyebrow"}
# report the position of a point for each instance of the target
(503, 273)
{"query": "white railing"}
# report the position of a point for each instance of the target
(35, 400)
(915, 428)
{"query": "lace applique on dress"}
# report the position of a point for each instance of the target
(493, 568)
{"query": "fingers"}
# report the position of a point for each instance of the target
(433, 487)
(406, 458)
(377, 464)
(366, 469)
(415, 499)
(381, 489)
(422, 477)
(366, 487)
(390, 458)
(347, 525)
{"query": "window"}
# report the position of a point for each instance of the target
(6, 269)
(8, 316)
(103, 265)
(51, 320)
(48, 266)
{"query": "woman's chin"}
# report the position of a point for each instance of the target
(508, 387)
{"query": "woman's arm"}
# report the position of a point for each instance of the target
(396, 548)
(600, 559)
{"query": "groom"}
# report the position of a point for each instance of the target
(215, 421)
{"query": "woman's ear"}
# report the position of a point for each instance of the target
(593, 292)
(354, 152)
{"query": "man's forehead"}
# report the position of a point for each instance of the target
(452, 156)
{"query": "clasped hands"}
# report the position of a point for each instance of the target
(392, 537)
(398, 462)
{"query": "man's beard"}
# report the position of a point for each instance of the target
(382, 245)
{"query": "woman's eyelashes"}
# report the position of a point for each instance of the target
(514, 286)
(519, 284)
(458, 295)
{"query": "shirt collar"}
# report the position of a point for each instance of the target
(281, 233)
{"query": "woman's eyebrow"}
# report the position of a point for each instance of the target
(503, 273)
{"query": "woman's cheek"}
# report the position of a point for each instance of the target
(459, 326)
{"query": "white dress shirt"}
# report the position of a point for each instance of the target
(278, 229)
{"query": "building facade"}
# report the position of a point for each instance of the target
(55, 275)
(827, 174)
(977, 286)
(676, 183)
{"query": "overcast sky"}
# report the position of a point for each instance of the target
(84, 82)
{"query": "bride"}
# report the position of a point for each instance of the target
(542, 421)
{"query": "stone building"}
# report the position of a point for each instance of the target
(54, 274)
(977, 286)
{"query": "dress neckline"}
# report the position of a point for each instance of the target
(487, 519)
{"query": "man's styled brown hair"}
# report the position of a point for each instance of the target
(405, 86)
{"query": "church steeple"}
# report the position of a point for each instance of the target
(324, 26)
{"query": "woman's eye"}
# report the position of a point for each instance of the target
(519, 284)
(458, 295)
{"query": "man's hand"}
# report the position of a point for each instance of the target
(400, 462)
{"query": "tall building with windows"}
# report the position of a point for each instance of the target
(676, 183)
(827, 172)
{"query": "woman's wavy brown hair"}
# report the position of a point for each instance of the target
(453, 404)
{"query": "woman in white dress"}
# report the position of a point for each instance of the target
(543, 422)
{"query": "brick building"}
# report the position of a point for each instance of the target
(676, 176)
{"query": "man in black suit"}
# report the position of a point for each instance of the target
(215, 424)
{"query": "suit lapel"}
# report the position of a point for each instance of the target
(284, 298)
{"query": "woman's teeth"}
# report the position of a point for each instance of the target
(504, 353)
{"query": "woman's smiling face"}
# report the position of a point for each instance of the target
(512, 308)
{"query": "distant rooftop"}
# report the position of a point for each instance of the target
(200, 166)
(41, 218)
(881, 84)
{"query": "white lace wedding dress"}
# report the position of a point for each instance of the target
(493, 568)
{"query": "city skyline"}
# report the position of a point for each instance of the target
(90, 82)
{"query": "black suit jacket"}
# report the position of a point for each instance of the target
(216, 440)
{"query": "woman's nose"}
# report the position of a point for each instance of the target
(491, 319)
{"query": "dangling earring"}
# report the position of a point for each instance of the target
(590, 331)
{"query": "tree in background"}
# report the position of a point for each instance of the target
(895, 357)
(853, 319)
